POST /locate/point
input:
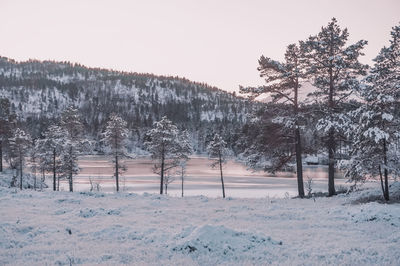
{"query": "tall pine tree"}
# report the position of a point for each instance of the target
(334, 69)
(283, 82)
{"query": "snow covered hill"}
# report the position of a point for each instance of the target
(39, 228)
(40, 90)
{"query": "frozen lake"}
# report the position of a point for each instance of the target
(200, 179)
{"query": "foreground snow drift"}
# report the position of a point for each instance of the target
(39, 228)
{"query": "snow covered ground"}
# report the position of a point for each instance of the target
(62, 228)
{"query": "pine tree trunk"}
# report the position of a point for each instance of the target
(1, 156)
(386, 191)
(331, 137)
(116, 172)
(20, 170)
(54, 170)
(331, 163)
(182, 183)
(299, 163)
(222, 178)
(162, 174)
(298, 148)
(34, 177)
(71, 189)
(381, 177)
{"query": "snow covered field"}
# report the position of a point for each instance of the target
(62, 228)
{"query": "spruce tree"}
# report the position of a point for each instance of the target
(376, 123)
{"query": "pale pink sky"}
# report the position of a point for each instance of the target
(213, 41)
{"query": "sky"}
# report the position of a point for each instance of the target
(212, 41)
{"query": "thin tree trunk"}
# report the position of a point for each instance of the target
(116, 172)
(34, 176)
(43, 179)
(331, 163)
(1, 156)
(162, 174)
(58, 182)
(20, 170)
(298, 148)
(386, 192)
(71, 189)
(166, 189)
(54, 170)
(380, 174)
(222, 178)
(299, 163)
(331, 137)
(182, 182)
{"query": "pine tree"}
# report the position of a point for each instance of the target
(6, 122)
(49, 152)
(71, 123)
(115, 136)
(217, 151)
(283, 85)
(19, 145)
(167, 147)
(376, 123)
(334, 70)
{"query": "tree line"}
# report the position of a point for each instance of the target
(57, 151)
(350, 102)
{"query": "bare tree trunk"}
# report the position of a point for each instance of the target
(58, 182)
(43, 179)
(54, 170)
(380, 174)
(1, 156)
(116, 172)
(166, 188)
(331, 163)
(71, 189)
(298, 148)
(182, 182)
(331, 137)
(299, 163)
(34, 177)
(162, 173)
(20, 170)
(386, 192)
(222, 178)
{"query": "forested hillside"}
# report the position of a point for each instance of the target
(38, 91)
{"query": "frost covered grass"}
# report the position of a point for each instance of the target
(62, 228)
